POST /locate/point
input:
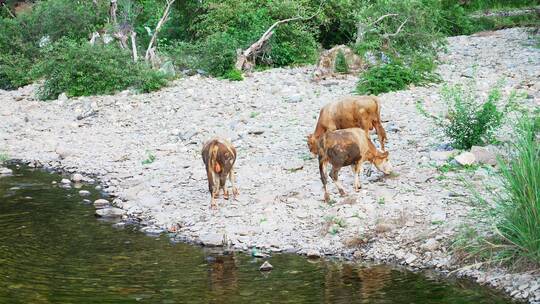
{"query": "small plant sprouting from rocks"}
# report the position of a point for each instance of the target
(334, 224)
(341, 65)
(470, 121)
(306, 157)
(3, 157)
(234, 75)
(150, 158)
(381, 201)
(254, 114)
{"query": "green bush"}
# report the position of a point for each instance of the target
(80, 69)
(16, 56)
(234, 75)
(341, 65)
(470, 121)
(396, 75)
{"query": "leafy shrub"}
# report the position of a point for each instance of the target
(16, 56)
(80, 69)
(234, 75)
(341, 65)
(62, 19)
(470, 122)
(395, 76)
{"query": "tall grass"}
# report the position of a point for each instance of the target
(519, 204)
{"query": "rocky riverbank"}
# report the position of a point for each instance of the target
(146, 150)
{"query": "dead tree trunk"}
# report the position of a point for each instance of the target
(112, 11)
(363, 29)
(150, 51)
(245, 59)
(134, 46)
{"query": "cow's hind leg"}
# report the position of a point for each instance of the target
(357, 169)
(232, 178)
(335, 177)
(213, 186)
(223, 185)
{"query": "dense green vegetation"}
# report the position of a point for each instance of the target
(471, 121)
(510, 234)
(400, 37)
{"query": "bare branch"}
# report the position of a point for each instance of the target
(8, 10)
(361, 29)
(242, 59)
(386, 36)
(158, 28)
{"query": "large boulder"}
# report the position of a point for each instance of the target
(484, 156)
(326, 67)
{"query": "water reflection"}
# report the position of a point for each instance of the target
(53, 250)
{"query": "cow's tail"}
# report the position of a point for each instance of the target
(213, 158)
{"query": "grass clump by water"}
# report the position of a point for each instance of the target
(510, 232)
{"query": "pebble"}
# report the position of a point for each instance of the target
(101, 203)
(110, 212)
(84, 193)
(266, 266)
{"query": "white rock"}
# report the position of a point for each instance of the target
(440, 155)
(84, 193)
(65, 181)
(101, 203)
(484, 156)
(77, 177)
(430, 245)
(313, 254)
(410, 258)
(5, 171)
(266, 266)
(466, 159)
(110, 212)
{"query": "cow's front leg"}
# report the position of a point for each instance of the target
(324, 179)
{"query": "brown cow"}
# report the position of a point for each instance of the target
(219, 157)
(349, 112)
(348, 147)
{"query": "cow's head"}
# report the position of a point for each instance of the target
(312, 144)
(382, 162)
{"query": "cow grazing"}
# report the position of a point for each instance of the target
(350, 112)
(348, 147)
(219, 157)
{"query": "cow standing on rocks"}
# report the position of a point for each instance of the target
(348, 147)
(350, 112)
(219, 157)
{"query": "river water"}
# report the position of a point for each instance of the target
(54, 250)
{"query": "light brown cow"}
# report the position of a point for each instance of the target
(350, 112)
(219, 157)
(348, 147)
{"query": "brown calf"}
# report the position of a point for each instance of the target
(219, 157)
(349, 112)
(348, 147)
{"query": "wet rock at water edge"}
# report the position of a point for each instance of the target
(101, 203)
(5, 171)
(65, 181)
(266, 266)
(110, 212)
(212, 239)
(313, 254)
(84, 193)
(77, 177)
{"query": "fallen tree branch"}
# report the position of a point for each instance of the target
(134, 46)
(361, 29)
(386, 36)
(158, 28)
(246, 59)
(8, 10)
